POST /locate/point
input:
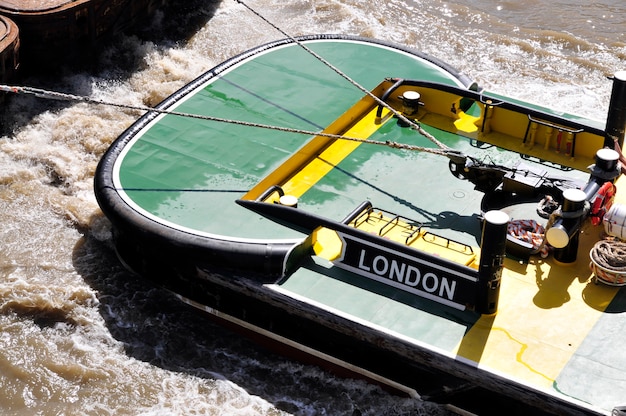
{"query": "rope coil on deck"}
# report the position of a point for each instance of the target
(608, 261)
(530, 231)
(610, 254)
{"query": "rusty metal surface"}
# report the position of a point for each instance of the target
(56, 30)
(9, 50)
(8, 30)
(36, 6)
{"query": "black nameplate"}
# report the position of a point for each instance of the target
(412, 271)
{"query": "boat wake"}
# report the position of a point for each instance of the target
(81, 335)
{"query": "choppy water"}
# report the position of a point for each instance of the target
(78, 335)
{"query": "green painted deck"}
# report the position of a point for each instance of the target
(556, 330)
(185, 171)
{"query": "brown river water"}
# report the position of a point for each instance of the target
(81, 336)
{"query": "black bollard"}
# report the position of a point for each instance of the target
(616, 116)
(564, 233)
(493, 250)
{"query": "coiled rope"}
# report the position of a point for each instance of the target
(610, 254)
(531, 232)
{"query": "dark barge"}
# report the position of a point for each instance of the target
(9, 49)
(52, 31)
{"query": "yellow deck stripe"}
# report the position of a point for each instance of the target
(466, 122)
(304, 179)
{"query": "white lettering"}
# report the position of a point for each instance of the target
(380, 260)
(408, 275)
(397, 271)
(430, 288)
(449, 289)
(413, 281)
(361, 265)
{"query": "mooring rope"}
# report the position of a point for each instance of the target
(55, 95)
(441, 149)
(610, 254)
(395, 112)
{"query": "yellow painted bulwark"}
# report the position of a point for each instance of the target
(350, 124)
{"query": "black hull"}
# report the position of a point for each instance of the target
(313, 335)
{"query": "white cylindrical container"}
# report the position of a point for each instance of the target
(615, 221)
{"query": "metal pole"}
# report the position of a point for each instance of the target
(493, 250)
(563, 235)
(616, 117)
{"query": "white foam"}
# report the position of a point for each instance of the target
(119, 347)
